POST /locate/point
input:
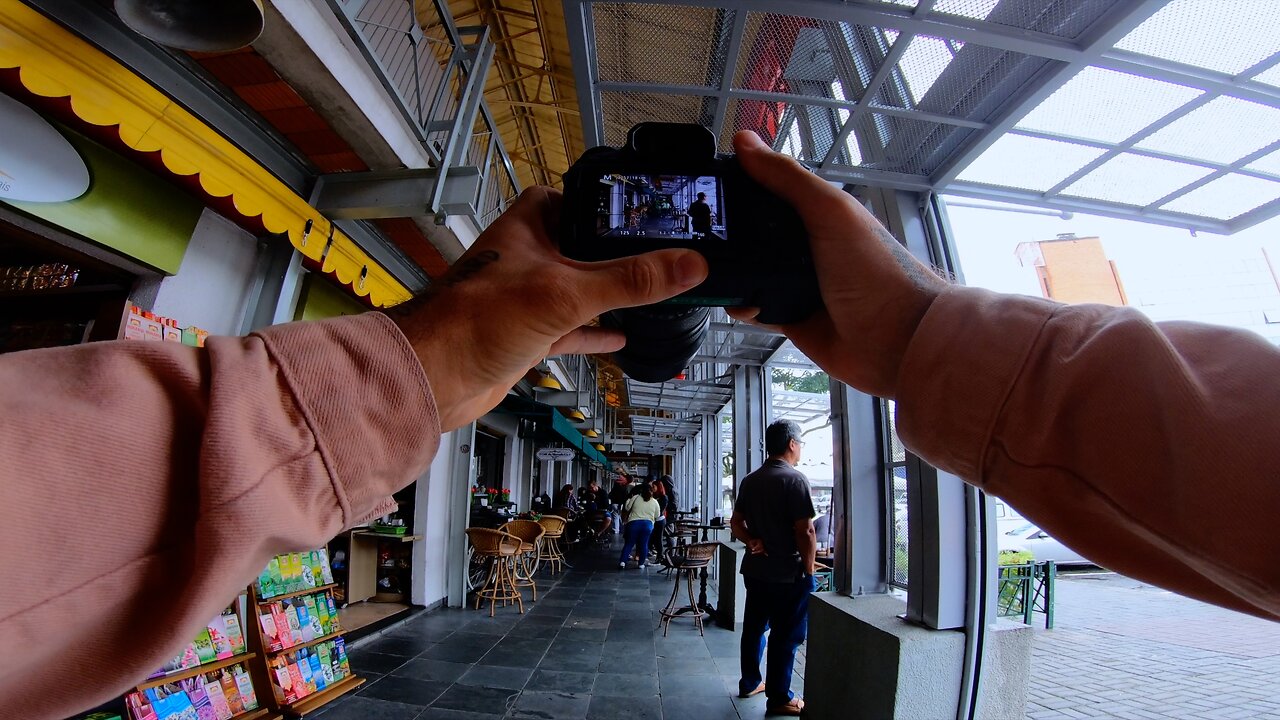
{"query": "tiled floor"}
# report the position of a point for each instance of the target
(586, 649)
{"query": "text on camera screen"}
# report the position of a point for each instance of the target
(660, 207)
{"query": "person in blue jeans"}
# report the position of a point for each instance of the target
(640, 512)
(774, 517)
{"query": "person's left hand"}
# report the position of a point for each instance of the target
(513, 299)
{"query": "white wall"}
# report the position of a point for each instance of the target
(431, 520)
(211, 289)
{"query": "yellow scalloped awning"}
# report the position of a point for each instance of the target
(54, 63)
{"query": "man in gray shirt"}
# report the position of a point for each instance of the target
(774, 517)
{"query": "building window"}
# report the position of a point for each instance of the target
(895, 477)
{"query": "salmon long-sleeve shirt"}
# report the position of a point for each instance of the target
(145, 484)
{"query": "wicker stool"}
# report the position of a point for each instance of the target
(530, 534)
(686, 561)
(549, 550)
(500, 550)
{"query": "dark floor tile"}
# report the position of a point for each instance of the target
(587, 623)
(433, 713)
(553, 620)
(535, 630)
(512, 658)
(676, 685)
(467, 638)
(363, 661)
(564, 646)
(497, 626)
(494, 701)
(703, 708)
(629, 632)
(426, 669)
(510, 678)
(686, 665)
(581, 634)
(364, 708)
(431, 634)
(404, 690)
(630, 684)
(551, 705)
(560, 681)
(632, 708)
(406, 646)
(455, 653)
(516, 643)
(571, 663)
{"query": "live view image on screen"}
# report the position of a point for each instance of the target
(679, 207)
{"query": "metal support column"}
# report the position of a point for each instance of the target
(480, 54)
(709, 482)
(860, 508)
(461, 476)
(748, 420)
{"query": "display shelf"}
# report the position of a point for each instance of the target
(315, 701)
(53, 292)
(210, 666)
(295, 593)
(384, 536)
(307, 644)
(259, 713)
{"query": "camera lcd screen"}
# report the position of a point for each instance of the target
(661, 207)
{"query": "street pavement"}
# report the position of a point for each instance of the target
(1123, 649)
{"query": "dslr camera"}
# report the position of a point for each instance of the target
(668, 188)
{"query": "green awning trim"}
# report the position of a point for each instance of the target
(550, 420)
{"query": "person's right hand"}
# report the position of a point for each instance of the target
(875, 292)
(756, 546)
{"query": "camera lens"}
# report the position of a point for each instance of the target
(661, 339)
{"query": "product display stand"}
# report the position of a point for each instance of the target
(188, 686)
(298, 635)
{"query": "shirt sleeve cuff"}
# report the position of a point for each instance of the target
(362, 391)
(958, 371)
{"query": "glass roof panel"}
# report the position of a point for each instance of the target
(1086, 106)
(1028, 163)
(1225, 36)
(1269, 163)
(1135, 179)
(1224, 130)
(1226, 197)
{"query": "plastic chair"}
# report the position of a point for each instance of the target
(530, 533)
(553, 530)
(500, 550)
(686, 560)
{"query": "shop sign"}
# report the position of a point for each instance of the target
(37, 164)
(557, 454)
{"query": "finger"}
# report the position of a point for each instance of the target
(637, 280)
(810, 195)
(588, 341)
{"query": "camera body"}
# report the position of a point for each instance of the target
(668, 188)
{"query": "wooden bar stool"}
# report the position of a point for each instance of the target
(686, 561)
(549, 550)
(526, 563)
(500, 550)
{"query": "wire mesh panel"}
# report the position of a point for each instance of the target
(1269, 163)
(1135, 179)
(1006, 163)
(621, 110)
(1224, 36)
(1227, 197)
(790, 54)
(1086, 105)
(669, 44)
(1223, 130)
(1063, 18)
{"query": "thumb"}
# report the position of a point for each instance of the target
(639, 279)
(809, 194)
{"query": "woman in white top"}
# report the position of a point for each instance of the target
(640, 513)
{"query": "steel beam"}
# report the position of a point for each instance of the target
(730, 68)
(580, 31)
(396, 193)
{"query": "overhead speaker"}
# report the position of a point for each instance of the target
(194, 24)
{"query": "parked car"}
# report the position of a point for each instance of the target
(1042, 547)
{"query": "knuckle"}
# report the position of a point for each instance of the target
(642, 277)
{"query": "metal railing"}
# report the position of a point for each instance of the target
(1026, 589)
(435, 72)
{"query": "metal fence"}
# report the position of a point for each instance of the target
(1026, 589)
(425, 65)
